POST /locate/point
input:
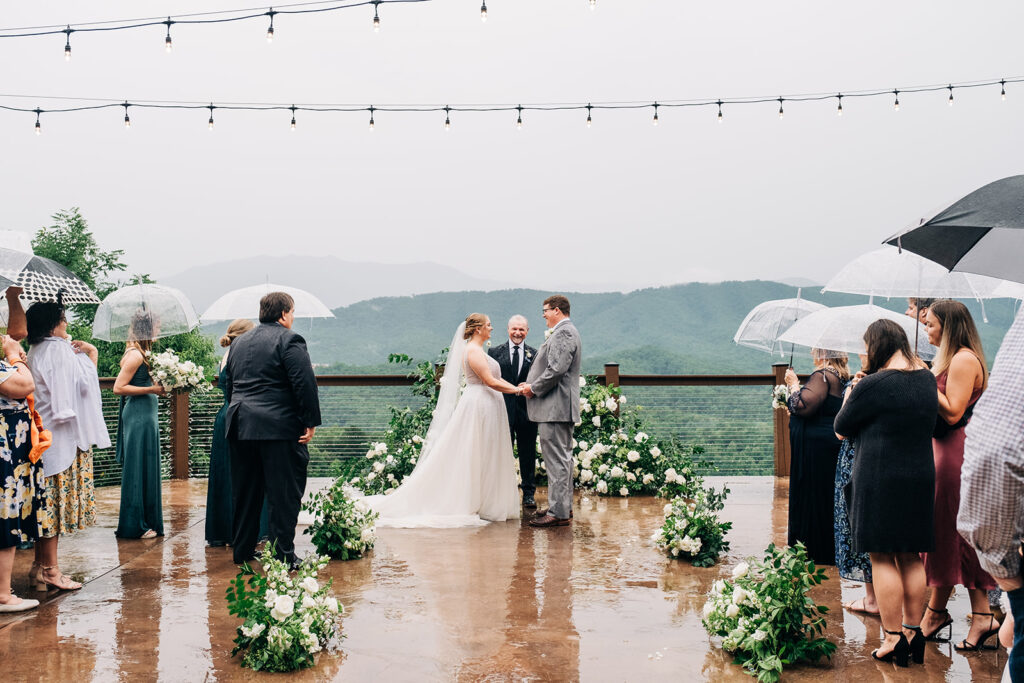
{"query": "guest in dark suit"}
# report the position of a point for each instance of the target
(273, 410)
(515, 358)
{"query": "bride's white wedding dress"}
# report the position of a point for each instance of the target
(466, 475)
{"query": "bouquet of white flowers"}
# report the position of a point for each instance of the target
(780, 396)
(765, 615)
(692, 529)
(174, 374)
(287, 620)
(343, 524)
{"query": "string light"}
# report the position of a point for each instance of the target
(39, 127)
(270, 30)
(519, 117)
(839, 109)
(293, 118)
(483, 11)
(896, 104)
(67, 45)
(593, 4)
(951, 95)
(127, 121)
(589, 120)
(211, 108)
(376, 17)
(655, 120)
(447, 121)
(1002, 92)
(371, 117)
(167, 41)
(780, 109)
(719, 103)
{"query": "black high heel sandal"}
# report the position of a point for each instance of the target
(900, 654)
(967, 646)
(946, 624)
(917, 643)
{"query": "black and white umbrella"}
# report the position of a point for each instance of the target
(42, 279)
(982, 233)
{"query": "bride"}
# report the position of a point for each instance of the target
(465, 475)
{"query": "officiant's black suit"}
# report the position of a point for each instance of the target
(272, 398)
(524, 432)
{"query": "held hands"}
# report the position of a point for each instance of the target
(307, 435)
(524, 390)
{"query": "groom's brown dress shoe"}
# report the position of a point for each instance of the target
(548, 520)
(546, 513)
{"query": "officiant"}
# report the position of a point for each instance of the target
(515, 358)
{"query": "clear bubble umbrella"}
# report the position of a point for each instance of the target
(15, 253)
(842, 329)
(144, 311)
(245, 303)
(766, 321)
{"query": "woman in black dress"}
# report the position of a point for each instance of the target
(891, 411)
(812, 474)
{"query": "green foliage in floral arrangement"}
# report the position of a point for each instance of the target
(287, 619)
(765, 615)
(393, 459)
(342, 527)
(692, 530)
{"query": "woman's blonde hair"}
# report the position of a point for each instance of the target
(236, 329)
(474, 321)
(958, 332)
(840, 362)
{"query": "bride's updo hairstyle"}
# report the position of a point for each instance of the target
(474, 321)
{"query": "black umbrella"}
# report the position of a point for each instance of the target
(981, 233)
(42, 279)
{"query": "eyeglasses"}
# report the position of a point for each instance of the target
(546, 310)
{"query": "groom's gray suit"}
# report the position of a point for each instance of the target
(554, 380)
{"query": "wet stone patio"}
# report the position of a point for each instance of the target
(505, 602)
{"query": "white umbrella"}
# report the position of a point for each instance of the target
(842, 329)
(245, 303)
(763, 325)
(145, 311)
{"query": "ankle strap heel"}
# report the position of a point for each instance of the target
(916, 644)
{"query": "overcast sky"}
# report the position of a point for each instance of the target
(552, 204)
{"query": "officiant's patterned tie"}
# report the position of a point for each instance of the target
(515, 360)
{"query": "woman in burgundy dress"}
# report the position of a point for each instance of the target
(961, 376)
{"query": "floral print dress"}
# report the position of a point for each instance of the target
(22, 481)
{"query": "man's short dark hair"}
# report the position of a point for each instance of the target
(558, 301)
(274, 305)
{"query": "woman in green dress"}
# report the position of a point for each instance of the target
(138, 436)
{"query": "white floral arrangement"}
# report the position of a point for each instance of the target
(765, 616)
(692, 529)
(174, 374)
(343, 524)
(388, 466)
(780, 397)
(287, 619)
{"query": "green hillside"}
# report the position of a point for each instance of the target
(666, 330)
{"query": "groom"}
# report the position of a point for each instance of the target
(553, 389)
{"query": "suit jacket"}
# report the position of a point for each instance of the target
(514, 405)
(554, 377)
(271, 389)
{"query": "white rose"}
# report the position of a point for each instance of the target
(616, 473)
(371, 476)
(668, 509)
(284, 607)
(740, 570)
(584, 407)
(417, 438)
(310, 585)
(623, 491)
(675, 552)
(331, 604)
(632, 456)
(656, 452)
(648, 478)
(391, 476)
(390, 459)
(717, 587)
(640, 437)
(367, 536)
(630, 476)
(622, 400)
(602, 487)
(596, 421)
(731, 611)
(586, 475)
(670, 475)
(583, 381)
(611, 404)
(253, 632)
(308, 602)
(758, 635)
(708, 609)
(378, 466)
(583, 445)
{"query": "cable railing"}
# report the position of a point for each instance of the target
(728, 416)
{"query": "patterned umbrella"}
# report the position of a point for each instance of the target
(42, 279)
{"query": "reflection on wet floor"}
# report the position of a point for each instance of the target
(592, 602)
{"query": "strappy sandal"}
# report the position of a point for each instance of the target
(900, 653)
(946, 624)
(62, 582)
(149, 534)
(967, 646)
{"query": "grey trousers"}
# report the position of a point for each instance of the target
(556, 447)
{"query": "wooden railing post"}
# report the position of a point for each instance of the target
(611, 378)
(781, 427)
(179, 435)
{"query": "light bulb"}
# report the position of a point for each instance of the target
(293, 124)
(371, 124)
(593, 4)
(127, 121)
(589, 121)
(655, 121)
(719, 110)
(167, 43)
(839, 109)
(780, 110)
(270, 34)
(211, 122)
(483, 11)
(896, 104)
(39, 128)
(447, 124)
(951, 96)
(1002, 93)
(519, 123)
(376, 20)
(67, 52)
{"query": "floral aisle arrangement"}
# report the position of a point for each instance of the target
(343, 525)
(174, 374)
(765, 616)
(692, 530)
(780, 397)
(287, 619)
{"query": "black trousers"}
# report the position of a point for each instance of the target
(524, 437)
(275, 470)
